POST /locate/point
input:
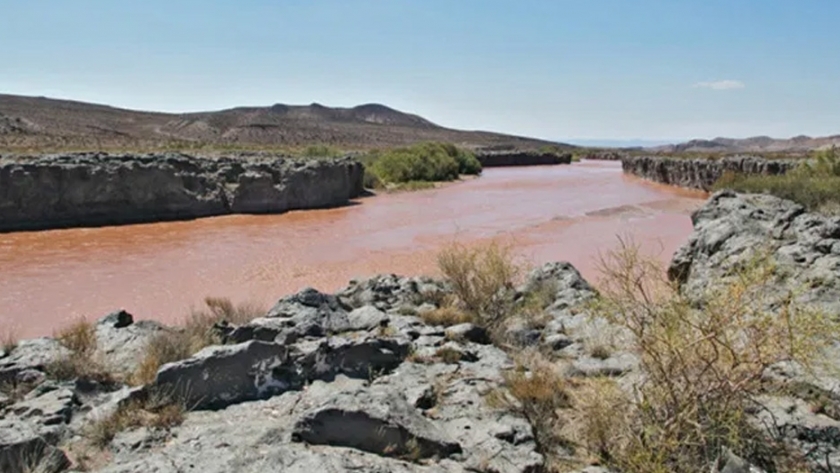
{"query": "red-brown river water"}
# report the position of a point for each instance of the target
(161, 270)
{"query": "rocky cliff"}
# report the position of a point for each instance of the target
(699, 173)
(102, 189)
(521, 158)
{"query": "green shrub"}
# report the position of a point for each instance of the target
(371, 180)
(814, 184)
(320, 151)
(425, 162)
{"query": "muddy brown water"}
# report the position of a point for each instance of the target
(162, 270)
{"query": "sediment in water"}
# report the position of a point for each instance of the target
(92, 189)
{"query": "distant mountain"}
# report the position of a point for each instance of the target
(607, 143)
(39, 121)
(755, 144)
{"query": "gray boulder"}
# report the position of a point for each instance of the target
(309, 313)
(28, 356)
(121, 342)
(392, 292)
(377, 420)
(222, 375)
(219, 376)
(562, 281)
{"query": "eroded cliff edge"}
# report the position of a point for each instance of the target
(700, 173)
(90, 189)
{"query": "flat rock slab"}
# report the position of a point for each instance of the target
(375, 419)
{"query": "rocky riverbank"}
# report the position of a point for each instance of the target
(521, 158)
(90, 189)
(378, 377)
(698, 173)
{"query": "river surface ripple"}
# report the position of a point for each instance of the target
(161, 270)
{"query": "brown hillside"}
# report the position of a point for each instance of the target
(756, 144)
(38, 122)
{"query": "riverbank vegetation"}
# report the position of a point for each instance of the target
(815, 183)
(700, 371)
(418, 165)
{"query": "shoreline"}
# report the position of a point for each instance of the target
(387, 349)
(158, 270)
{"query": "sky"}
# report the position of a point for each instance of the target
(557, 69)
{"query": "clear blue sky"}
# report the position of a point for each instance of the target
(558, 69)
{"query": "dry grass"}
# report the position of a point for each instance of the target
(199, 324)
(816, 184)
(702, 368)
(482, 279)
(599, 408)
(198, 332)
(449, 355)
(16, 390)
(165, 347)
(158, 412)
(8, 340)
(86, 457)
(535, 390)
(446, 316)
(78, 366)
(80, 363)
(78, 337)
(600, 351)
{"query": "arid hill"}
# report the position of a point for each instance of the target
(756, 144)
(33, 122)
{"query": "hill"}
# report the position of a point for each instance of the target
(756, 144)
(39, 122)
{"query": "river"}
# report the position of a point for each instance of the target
(161, 270)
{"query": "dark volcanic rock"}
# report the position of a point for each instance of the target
(376, 420)
(102, 189)
(490, 159)
(700, 173)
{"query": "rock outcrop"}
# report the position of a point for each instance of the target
(101, 189)
(490, 159)
(733, 231)
(320, 382)
(698, 173)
